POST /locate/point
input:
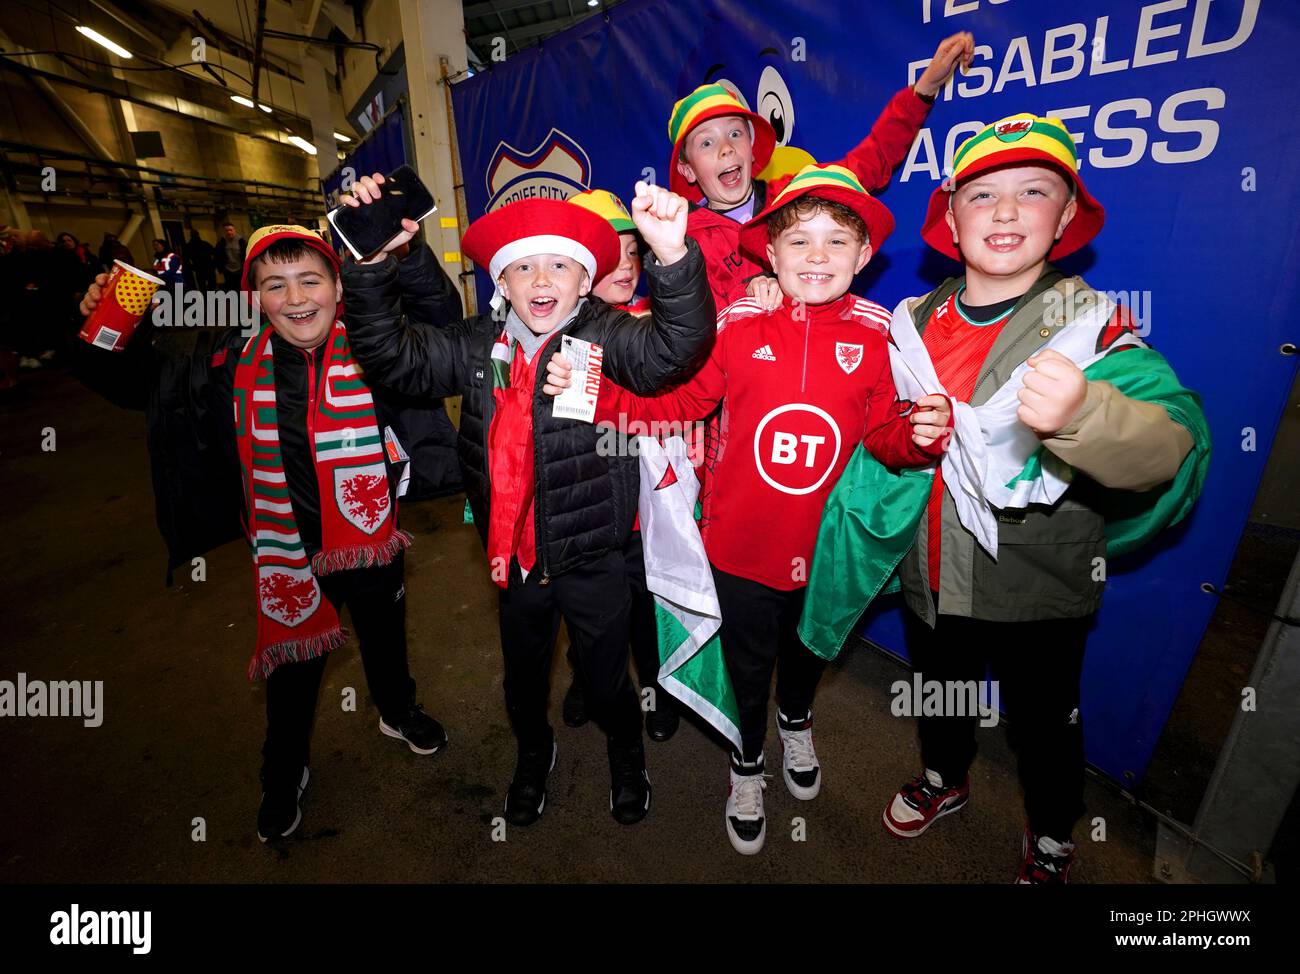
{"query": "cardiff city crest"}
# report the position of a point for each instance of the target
(556, 168)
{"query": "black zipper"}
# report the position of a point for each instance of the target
(545, 352)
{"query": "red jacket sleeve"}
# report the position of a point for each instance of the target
(875, 158)
(694, 399)
(889, 434)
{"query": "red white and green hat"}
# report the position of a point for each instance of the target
(829, 182)
(702, 104)
(1016, 140)
(605, 204)
(541, 226)
(268, 235)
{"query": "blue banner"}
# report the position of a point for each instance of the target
(382, 150)
(1184, 115)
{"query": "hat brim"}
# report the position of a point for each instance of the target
(764, 146)
(314, 242)
(879, 221)
(1088, 218)
(537, 217)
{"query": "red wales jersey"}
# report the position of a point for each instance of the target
(800, 388)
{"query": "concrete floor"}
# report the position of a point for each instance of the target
(83, 599)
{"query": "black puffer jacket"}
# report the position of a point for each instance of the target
(586, 503)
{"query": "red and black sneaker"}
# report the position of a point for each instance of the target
(921, 802)
(1044, 861)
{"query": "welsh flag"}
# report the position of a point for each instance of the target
(677, 571)
(994, 462)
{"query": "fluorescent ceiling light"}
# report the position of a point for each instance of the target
(248, 103)
(341, 137)
(303, 144)
(593, 3)
(103, 41)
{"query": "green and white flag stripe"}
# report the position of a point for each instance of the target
(687, 612)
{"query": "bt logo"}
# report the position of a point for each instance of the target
(796, 447)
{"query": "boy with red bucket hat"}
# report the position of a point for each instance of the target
(553, 509)
(1073, 442)
(798, 388)
(720, 147)
(301, 454)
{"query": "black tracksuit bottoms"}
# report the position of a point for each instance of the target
(376, 600)
(760, 634)
(594, 601)
(1038, 666)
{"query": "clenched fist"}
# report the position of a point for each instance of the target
(1054, 389)
(660, 217)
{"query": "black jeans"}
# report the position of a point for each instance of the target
(759, 634)
(376, 599)
(642, 626)
(1037, 666)
(594, 602)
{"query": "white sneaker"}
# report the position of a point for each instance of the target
(746, 826)
(799, 767)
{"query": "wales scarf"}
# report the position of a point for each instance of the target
(358, 523)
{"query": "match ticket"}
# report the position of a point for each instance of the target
(579, 400)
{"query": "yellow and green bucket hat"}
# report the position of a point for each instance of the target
(829, 182)
(605, 204)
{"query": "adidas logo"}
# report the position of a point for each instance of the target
(765, 353)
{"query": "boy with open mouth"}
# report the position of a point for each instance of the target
(618, 289)
(720, 147)
(554, 511)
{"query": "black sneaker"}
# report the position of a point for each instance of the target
(280, 812)
(575, 704)
(526, 796)
(662, 722)
(422, 733)
(629, 785)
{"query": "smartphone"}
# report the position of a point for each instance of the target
(365, 229)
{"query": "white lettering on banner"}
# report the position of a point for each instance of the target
(1133, 140)
(796, 451)
(1165, 31)
(1159, 39)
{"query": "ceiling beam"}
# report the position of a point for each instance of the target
(130, 23)
(257, 45)
(544, 28)
(491, 8)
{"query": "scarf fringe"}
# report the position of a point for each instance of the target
(361, 556)
(294, 651)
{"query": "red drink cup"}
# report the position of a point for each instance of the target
(125, 300)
